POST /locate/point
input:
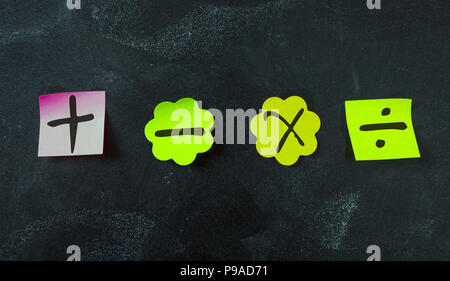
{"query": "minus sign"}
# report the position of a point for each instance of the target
(180, 132)
(384, 126)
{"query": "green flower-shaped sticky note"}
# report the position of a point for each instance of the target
(179, 131)
(285, 129)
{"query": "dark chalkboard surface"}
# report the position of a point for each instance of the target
(231, 203)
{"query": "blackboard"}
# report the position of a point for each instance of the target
(231, 203)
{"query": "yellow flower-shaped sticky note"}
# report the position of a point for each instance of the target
(285, 129)
(179, 131)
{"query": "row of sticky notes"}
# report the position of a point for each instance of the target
(73, 124)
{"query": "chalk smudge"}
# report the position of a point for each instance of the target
(333, 219)
(107, 235)
(9, 36)
(202, 31)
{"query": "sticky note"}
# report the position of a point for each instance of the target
(381, 129)
(285, 129)
(71, 124)
(179, 131)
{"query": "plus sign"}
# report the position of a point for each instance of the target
(73, 121)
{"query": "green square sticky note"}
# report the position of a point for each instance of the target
(381, 129)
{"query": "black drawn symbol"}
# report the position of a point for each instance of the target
(383, 126)
(180, 132)
(73, 121)
(289, 125)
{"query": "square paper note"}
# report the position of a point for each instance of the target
(381, 129)
(72, 124)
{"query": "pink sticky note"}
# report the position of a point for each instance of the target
(72, 124)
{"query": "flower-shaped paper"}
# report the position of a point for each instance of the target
(179, 131)
(285, 129)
